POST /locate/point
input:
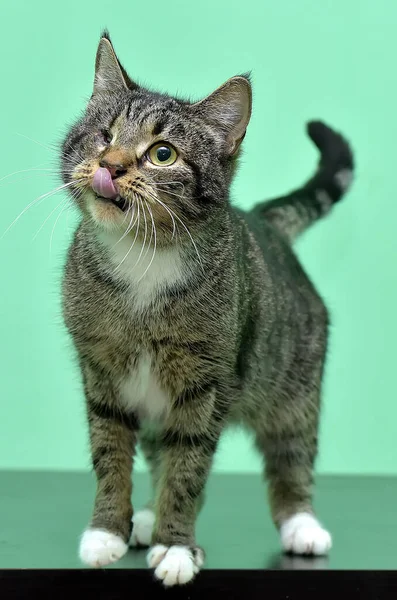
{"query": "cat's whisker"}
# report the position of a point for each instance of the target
(50, 147)
(48, 217)
(186, 229)
(155, 243)
(64, 207)
(36, 169)
(131, 224)
(165, 184)
(122, 223)
(146, 228)
(174, 194)
(129, 227)
(76, 193)
(130, 207)
(144, 240)
(150, 239)
(22, 179)
(169, 212)
(191, 238)
(133, 243)
(68, 227)
(35, 141)
(69, 158)
(36, 202)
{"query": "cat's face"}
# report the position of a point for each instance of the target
(150, 164)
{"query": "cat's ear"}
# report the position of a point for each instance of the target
(110, 75)
(229, 109)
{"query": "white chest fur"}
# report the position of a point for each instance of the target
(147, 274)
(146, 271)
(141, 392)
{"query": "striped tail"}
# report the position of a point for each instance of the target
(294, 213)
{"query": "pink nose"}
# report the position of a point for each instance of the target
(103, 185)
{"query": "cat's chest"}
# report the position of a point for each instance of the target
(141, 392)
(148, 271)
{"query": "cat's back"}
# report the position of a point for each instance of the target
(274, 261)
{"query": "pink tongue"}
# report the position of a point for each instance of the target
(102, 184)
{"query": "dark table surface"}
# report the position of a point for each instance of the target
(42, 515)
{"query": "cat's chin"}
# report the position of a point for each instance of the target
(109, 214)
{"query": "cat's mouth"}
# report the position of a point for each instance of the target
(119, 202)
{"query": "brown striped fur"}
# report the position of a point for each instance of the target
(237, 337)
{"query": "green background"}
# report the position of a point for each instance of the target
(333, 60)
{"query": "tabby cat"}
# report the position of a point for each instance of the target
(188, 315)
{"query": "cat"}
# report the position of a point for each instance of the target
(188, 314)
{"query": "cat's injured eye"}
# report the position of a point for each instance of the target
(162, 155)
(105, 136)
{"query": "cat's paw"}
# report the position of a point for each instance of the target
(142, 528)
(175, 565)
(303, 534)
(99, 547)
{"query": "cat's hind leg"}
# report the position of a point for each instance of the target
(287, 438)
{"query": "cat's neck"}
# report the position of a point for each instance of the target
(146, 269)
(149, 271)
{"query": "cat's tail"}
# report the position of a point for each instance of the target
(292, 214)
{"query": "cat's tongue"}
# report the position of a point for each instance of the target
(102, 184)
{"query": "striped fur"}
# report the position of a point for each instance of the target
(294, 213)
(219, 325)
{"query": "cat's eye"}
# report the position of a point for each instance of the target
(106, 136)
(162, 155)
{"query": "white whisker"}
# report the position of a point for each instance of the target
(64, 207)
(34, 141)
(144, 239)
(133, 243)
(168, 193)
(68, 227)
(155, 243)
(26, 171)
(150, 239)
(48, 217)
(169, 212)
(130, 226)
(162, 185)
(37, 201)
(186, 229)
(50, 147)
(190, 236)
(27, 178)
(126, 214)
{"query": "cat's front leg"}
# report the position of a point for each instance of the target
(188, 446)
(113, 436)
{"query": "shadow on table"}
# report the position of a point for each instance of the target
(289, 562)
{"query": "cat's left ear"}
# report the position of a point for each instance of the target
(110, 75)
(229, 110)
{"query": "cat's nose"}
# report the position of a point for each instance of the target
(115, 170)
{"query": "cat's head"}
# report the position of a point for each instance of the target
(141, 159)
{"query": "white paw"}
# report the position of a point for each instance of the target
(99, 547)
(176, 564)
(303, 534)
(143, 522)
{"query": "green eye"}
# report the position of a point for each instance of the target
(162, 155)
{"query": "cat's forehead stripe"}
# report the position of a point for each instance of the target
(139, 114)
(158, 127)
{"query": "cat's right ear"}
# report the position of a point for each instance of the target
(229, 110)
(110, 75)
